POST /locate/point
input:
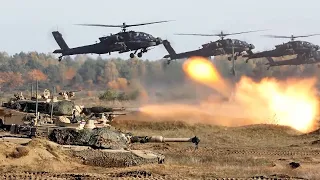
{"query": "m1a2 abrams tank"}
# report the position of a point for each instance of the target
(21, 111)
(110, 148)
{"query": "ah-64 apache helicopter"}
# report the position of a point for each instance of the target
(233, 47)
(295, 61)
(121, 42)
(303, 49)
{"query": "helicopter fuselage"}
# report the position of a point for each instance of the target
(228, 46)
(120, 42)
(303, 49)
(298, 46)
(296, 61)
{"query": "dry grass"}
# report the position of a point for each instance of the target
(223, 152)
(212, 158)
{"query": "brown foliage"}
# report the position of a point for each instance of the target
(69, 74)
(89, 93)
(110, 71)
(119, 84)
(37, 75)
(11, 79)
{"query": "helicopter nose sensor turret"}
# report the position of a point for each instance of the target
(251, 46)
(158, 40)
(317, 47)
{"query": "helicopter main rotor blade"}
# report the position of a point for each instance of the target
(220, 34)
(243, 32)
(142, 24)
(307, 35)
(275, 36)
(100, 25)
(195, 34)
(123, 25)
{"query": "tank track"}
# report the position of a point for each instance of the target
(120, 176)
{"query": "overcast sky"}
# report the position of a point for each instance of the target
(27, 25)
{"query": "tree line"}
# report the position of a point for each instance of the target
(84, 72)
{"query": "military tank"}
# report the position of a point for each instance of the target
(84, 132)
(107, 147)
(21, 111)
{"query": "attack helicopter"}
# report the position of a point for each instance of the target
(295, 61)
(124, 41)
(233, 47)
(303, 49)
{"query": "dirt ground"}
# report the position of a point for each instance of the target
(224, 152)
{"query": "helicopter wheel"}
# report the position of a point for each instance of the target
(229, 58)
(235, 57)
(131, 55)
(140, 54)
(60, 58)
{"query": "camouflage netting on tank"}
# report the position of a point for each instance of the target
(102, 138)
(63, 108)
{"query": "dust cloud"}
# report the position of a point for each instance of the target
(292, 102)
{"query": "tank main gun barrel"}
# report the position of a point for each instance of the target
(161, 139)
(118, 109)
(98, 110)
(112, 113)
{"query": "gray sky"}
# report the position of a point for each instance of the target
(27, 25)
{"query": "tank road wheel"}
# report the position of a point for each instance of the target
(140, 54)
(131, 55)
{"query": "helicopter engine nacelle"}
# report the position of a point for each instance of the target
(218, 44)
(289, 46)
(284, 46)
(116, 38)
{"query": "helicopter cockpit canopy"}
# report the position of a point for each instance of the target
(142, 36)
(239, 43)
(306, 44)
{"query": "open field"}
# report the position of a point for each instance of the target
(234, 152)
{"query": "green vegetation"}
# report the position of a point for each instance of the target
(112, 95)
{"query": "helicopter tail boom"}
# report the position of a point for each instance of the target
(60, 41)
(270, 60)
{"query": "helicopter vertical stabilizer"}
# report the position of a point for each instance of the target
(169, 48)
(58, 37)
